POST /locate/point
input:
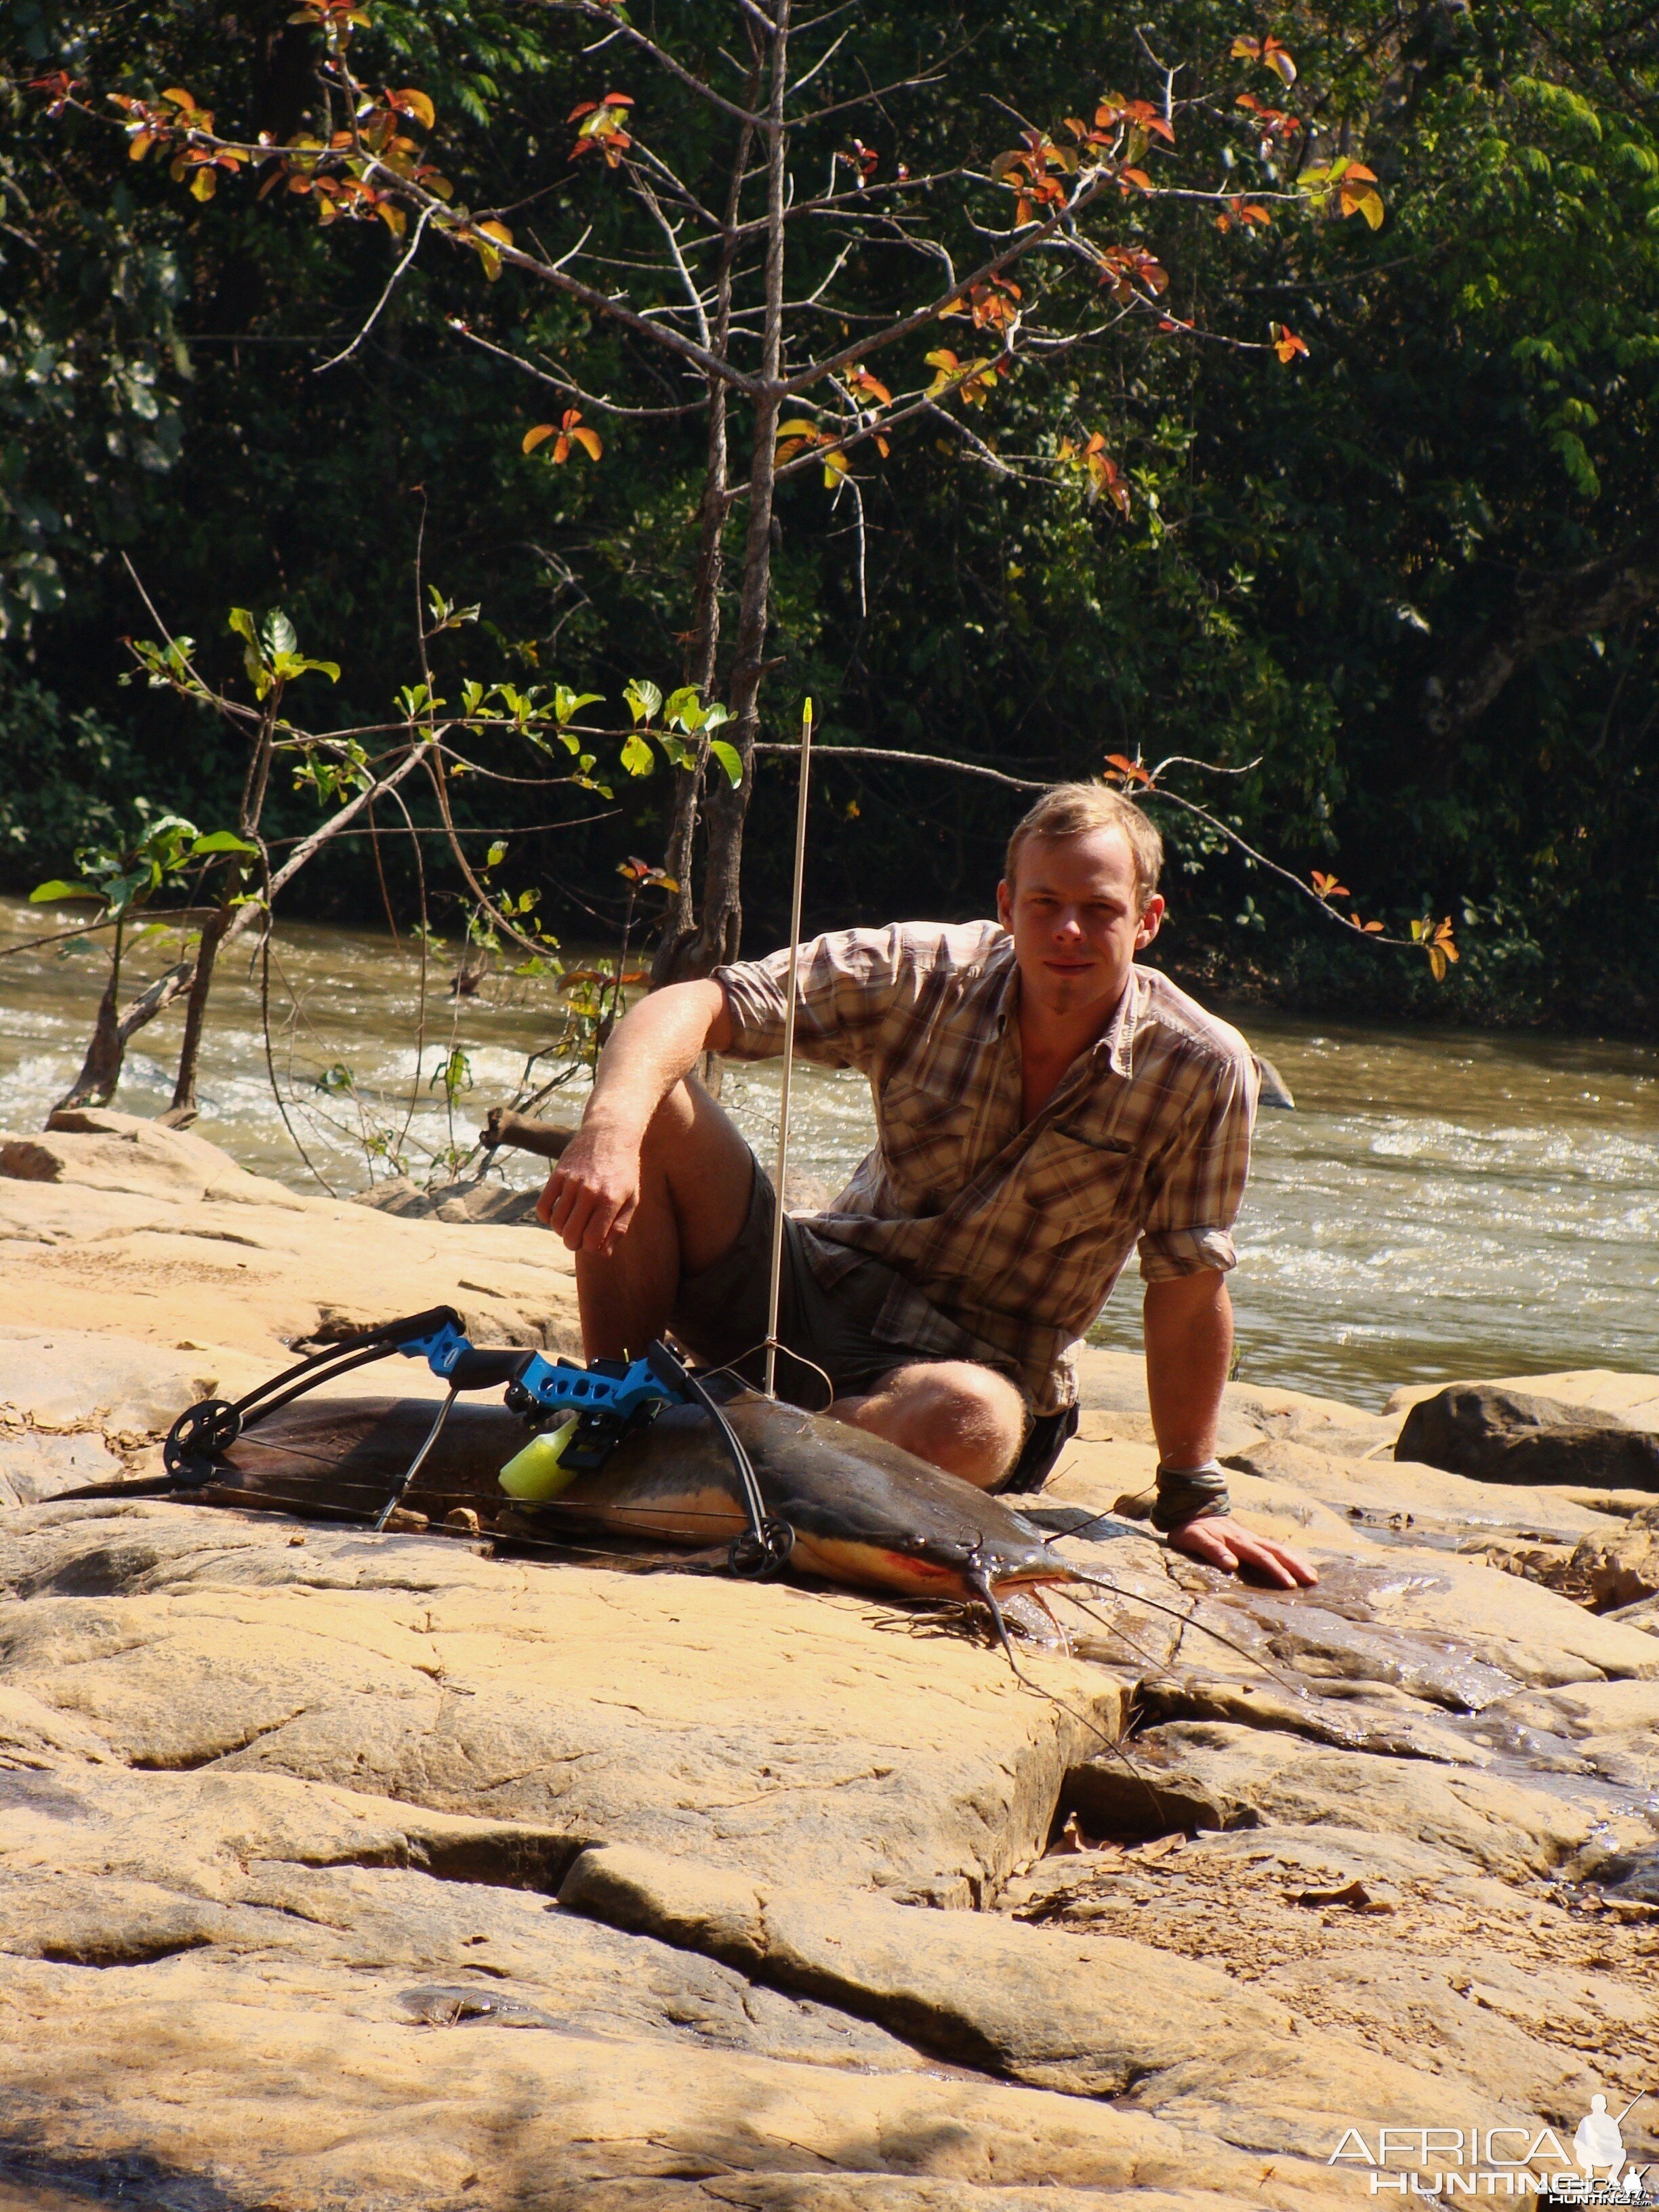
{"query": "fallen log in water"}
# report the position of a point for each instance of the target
(523, 1133)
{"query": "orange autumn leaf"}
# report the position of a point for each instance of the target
(409, 101)
(565, 434)
(1271, 52)
(1436, 939)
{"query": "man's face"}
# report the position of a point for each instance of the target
(1076, 919)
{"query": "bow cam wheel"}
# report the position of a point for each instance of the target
(198, 1436)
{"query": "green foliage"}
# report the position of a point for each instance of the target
(271, 654)
(121, 877)
(63, 774)
(1238, 559)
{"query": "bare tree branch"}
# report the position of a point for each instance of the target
(920, 318)
(560, 382)
(618, 29)
(825, 753)
(392, 284)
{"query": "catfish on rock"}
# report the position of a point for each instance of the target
(865, 1513)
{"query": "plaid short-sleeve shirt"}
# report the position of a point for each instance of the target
(1007, 1236)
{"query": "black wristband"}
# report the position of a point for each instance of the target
(1182, 1494)
(1189, 1493)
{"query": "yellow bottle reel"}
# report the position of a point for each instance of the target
(536, 1473)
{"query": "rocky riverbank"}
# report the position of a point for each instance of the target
(337, 1869)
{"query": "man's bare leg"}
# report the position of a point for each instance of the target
(696, 1175)
(967, 1419)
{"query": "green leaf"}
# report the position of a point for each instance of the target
(642, 698)
(679, 753)
(58, 889)
(520, 705)
(472, 696)
(685, 707)
(122, 890)
(713, 715)
(242, 621)
(219, 840)
(729, 759)
(496, 855)
(278, 634)
(567, 702)
(637, 756)
(284, 667)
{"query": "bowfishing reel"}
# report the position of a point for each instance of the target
(580, 1414)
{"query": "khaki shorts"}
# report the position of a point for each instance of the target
(719, 1317)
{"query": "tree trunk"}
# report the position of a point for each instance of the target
(679, 927)
(101, 1070)
(201, 982)
(720, 929)
(1573, 603)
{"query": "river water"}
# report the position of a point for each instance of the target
(1441, 1204)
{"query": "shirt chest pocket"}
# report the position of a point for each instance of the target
(1081, 1188)
(926, 1139)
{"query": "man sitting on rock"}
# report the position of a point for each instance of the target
(1042, 1105)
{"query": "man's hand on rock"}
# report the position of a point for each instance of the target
(1220, 1542)
(592, 1195)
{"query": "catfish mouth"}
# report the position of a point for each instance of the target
(914, 1574)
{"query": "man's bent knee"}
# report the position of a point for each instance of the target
(694, 1159)
(673, 1127)
(963, 1418)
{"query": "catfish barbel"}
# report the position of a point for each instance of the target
(865, 1513)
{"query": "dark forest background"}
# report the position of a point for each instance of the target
(1415, 573)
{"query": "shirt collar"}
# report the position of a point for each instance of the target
(1115, 1044)
(1005, 1002)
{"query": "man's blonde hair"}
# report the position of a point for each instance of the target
(1071, 808)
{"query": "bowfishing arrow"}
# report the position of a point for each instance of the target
(776, 1285)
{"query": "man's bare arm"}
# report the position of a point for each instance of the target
(1187, 1322)
(591, 1195)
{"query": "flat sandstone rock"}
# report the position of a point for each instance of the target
(158, 1235)
(286, 1811)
